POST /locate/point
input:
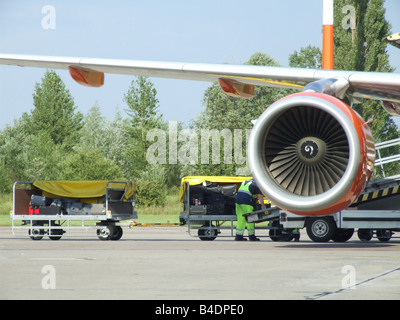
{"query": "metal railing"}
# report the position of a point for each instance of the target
(381, 161)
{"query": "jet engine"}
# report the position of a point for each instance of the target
(311, 154)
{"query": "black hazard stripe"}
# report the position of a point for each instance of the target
(377, 194)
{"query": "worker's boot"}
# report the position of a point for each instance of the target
(239, 237)
(253, 238)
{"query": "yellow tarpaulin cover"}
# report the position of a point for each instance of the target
(79, 189)
(196, 180)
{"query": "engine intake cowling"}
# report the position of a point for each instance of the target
(311, 154)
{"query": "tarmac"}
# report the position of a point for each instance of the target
(166, 263)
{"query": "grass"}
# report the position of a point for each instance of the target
(169, 213)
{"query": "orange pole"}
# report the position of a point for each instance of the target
(327, 43)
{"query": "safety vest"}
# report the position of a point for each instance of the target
(245, 188)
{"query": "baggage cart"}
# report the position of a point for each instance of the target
(54, 208)
(209, 205)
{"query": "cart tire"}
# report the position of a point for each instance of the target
(117, 233)
(56, 234)
(342, 235)
(383, 235)
(207, 234)
(275, 235)
(36, 234)
(321, 229)
(365, 234)
(105, 233)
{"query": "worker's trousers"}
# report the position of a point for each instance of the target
(242, 209)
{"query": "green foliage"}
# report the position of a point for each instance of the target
(88, 164)
(142, 110)
(54, 111)
(309, 57)
(151, 188)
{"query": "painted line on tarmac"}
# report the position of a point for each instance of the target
(325, 294)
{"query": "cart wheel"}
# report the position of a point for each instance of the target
(275, 234)
(342, 235)
(36, 234)
(321, 229)
(383, 235)
(207, 234)
(365, 234)
(106, 232)
(117, 233)
(56, 234)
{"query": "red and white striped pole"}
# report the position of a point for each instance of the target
(327, 43)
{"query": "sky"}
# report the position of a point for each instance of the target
(207, 31)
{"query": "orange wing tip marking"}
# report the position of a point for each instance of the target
(86, 76)
(237, 89)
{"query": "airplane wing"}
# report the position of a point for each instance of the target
(235, 80)
(309, 152)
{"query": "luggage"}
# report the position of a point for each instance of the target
(39, 201)
(212, 199)
(78, 208)
(197, 199)
(215, 198)
(215, 209)
(198, 210)
(229, 190)
(49, 210)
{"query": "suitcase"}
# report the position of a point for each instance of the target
(49, 210)
(198, 210)
(229, 190)
(39, 201)
(215, 209)
(229, 210)
(215, 199)
(78, 208)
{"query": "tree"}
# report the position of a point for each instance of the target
(54, 111)
(88, 164)
(105, 135)
(309, 57)
(360, 27)
(28, 156)
(142, 110)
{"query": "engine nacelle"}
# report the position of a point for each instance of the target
(311, 154)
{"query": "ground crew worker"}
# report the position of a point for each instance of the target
(246, 197)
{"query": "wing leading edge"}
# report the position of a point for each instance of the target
(370, 85)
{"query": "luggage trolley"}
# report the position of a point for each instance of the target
(49, 207)
(208, 204)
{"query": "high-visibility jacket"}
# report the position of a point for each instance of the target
(247, 193)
